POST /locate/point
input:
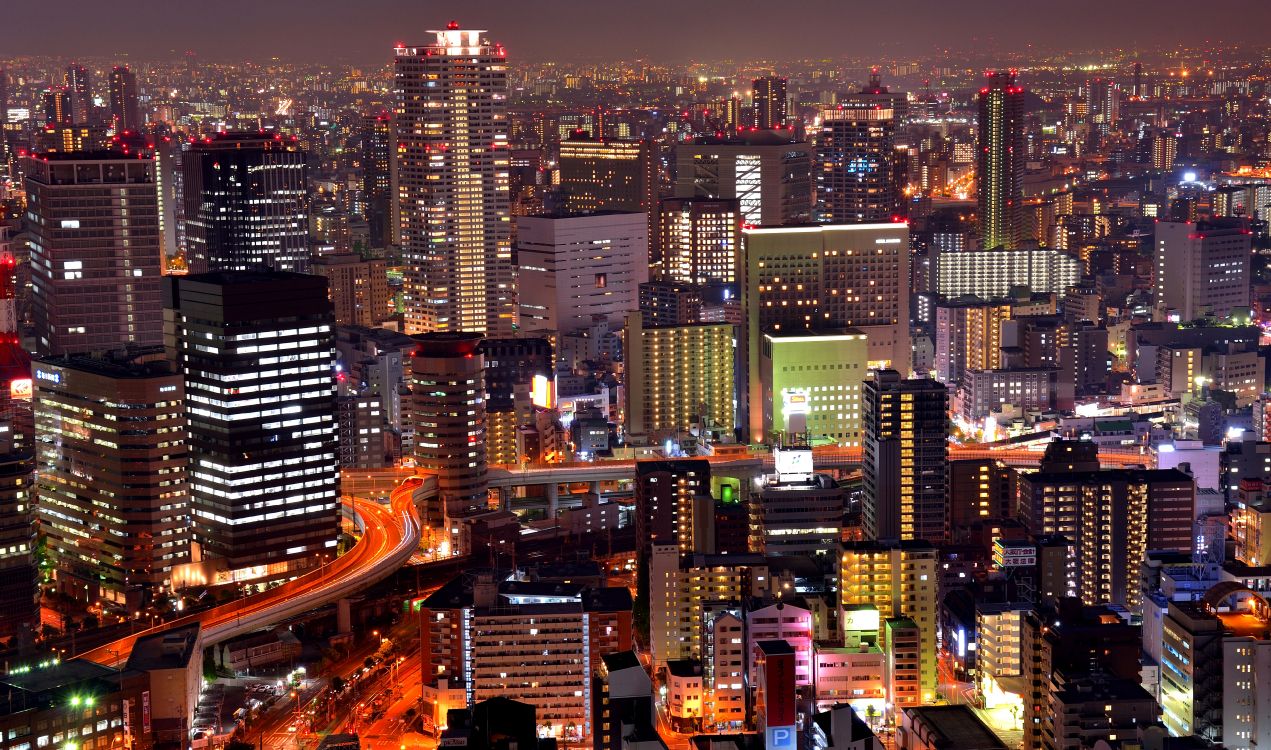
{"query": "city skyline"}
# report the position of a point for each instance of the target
(706, 31)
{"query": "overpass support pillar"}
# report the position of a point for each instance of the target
(505, 498)
(344, 616)
(553, 499)
(595, 490)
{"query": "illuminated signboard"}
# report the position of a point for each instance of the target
(794, 400)
(49, 377)
(20, 389)
(541, 392)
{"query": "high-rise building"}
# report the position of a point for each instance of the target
(96, 250)
(769, 174)
(1000, 164)
(679, 377)
(125, 113)
(906, 458)
(669, 498)
(701, 240)
(518, 380)
(448, 412)
(898, 579)
(452, 190)
(116, 519)
(831, 276)
(666, 303)
(796, 511)
(258, 353)
(771, 102)
(811, 385)
(246, 204)
(858, 175)
(57, 108)
(377, 179)
(358, 288)
(80, 90)
(506, 639)
(875, 94)
(574, 268)
(992, 273)
(1202, 268)
(599, 174)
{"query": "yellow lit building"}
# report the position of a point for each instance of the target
(1251, 523)
(678, 376)
(899, 579)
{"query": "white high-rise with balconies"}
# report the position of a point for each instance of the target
(451, 184)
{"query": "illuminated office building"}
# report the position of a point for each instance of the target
(768, 174)
(448, 412)
(906, 458)
(993, 273)
(612, 175)
(79, 89)
(116, 521)
(125, 114)
(679, 377)
(899, 580)
(1202, 268)
(826, 277)
(811, 385)
(859, 175)
(770, 102)
(246, 204)
(796, 511)
(96, 248)
(377, 179)
(701, 240)
(453, 193)
(1000, 164)
(258, 353)
(687, 592)
(358, 288)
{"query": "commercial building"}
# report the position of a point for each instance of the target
(246, 203)
(448, 415)
(673, 505)
(771, 102)
(173, 659)
(811, 385)
(795, 511)
(622, 701)
(116, 520)
(667, 303)
(98, 706)
(358, 288)
(539, 642)
(906, 458)
(1007, 392)
(598, 174)
(96, 248)
(19, 577)
(968, 336)
(125, 114)
(991, 274)
(450, 126)
(379, 206)
(518, 380)
(1202, 268)
(258, 353)
(784, 621)
(765, 171)
(1000, 162)
(833, 276)
(701, 240)
(899, 580)
(679, 377)
(574, 268)
(859, 174)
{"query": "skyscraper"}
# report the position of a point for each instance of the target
(857, 175)
(125, 114)
(906, 456)
(612, 175)
(701, 240)
(95, 251)
(771, 105)
(79, 89)
(1202, 268)
(452, 184)
(447, 410)
(258, 353)
(117, 537)
(57, 107)
(1000, 164)
(246, 203)
(377, 178)
(766, 171)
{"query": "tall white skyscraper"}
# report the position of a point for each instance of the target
(452, 184)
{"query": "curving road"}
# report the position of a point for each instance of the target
(390, 535)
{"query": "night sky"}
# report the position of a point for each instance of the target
(667, 30)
